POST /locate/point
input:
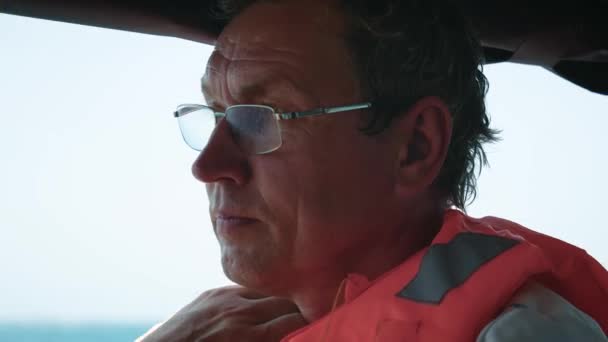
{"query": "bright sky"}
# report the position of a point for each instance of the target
(100, 218)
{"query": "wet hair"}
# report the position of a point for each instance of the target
(405, 50)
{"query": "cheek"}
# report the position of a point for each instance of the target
(353, 174)
(322, 198)
(278, 189)
(297, 197)
(322, 190)
(353, 189)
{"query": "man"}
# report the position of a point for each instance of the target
(344, 132)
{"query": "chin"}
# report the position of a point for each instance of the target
(256, 272)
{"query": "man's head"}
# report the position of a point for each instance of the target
(344, 190)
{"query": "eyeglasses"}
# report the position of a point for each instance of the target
(255, 128)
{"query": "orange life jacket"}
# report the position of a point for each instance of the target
(452, 289)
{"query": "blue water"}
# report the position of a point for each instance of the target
(71, 332)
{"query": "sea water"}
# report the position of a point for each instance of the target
(71, 332)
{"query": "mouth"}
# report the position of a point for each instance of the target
(231, 226)
(234, 220)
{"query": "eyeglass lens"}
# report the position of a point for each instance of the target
(196, 126)
(254, 128)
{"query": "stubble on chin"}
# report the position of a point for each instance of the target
(257, 269)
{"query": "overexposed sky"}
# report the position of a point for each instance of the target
(100, 218)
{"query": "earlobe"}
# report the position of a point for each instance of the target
(424, 134)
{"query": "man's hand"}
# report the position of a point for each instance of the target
(230, 313)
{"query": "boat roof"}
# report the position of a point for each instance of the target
(568, 38)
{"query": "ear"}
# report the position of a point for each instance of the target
(422, 136)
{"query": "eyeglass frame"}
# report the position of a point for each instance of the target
(278, 116)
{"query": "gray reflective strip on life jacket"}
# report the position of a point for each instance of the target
(447, 266)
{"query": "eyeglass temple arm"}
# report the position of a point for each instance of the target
(324, 110)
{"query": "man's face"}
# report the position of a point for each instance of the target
(314, 204)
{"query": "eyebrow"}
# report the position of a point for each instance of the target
(262, 88)
(250, 90)
(249, 93)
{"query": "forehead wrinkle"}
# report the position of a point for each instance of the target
(259, 51)
(236, 45)
(267, 80)
(237, 54)
(205, 88)
(216, 68)
(224, 79)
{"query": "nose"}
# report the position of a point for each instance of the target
(222, 159)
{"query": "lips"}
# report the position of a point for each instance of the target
(228, 219)
(233, 227)
(231, 215)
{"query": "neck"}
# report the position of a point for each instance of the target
(372, 258)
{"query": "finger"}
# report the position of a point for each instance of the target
(270, 308)
(280, 327)
(250, 294)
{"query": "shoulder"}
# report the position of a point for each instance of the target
(539, 314)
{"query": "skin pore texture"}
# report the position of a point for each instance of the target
(331, 200)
